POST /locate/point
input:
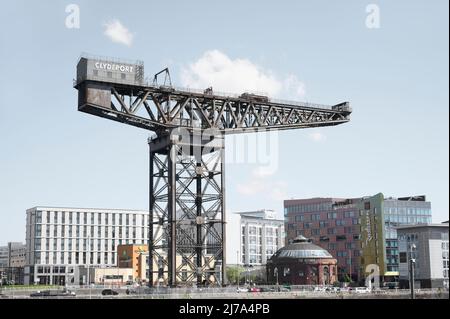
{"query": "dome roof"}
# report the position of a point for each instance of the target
(302, 247)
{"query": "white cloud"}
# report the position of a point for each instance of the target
(264, 171)
(251, 188)
(258, 184)
(118, 33)
(317, 136)
(216, 69)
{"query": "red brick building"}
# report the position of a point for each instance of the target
(302, 263)
(331, 223)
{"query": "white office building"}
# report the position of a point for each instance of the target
(253, 237)
(59, 240)
(428, 246)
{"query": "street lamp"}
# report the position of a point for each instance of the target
(412, 262)
(275, 272)
(237, 261)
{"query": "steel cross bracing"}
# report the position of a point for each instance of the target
(187, 191)
(161, 108)
(187, 209)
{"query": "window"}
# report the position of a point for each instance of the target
(340, 222)
(331, 231)
(95, 72)
(349, 214)
(123, 76)
(109, 74)
(323, 224)
(299, 218)
(332, 215)
(315, 232)
(38, 230)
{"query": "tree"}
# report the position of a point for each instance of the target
(233, 273)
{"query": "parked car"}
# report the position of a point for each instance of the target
(362, 290)
(53, 293)
(242, 289)
(255, 289)
(130, 291)
(109, 292)
(335, 289)
(43, 293)
(265, 289)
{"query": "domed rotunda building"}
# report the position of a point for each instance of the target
(302, 263)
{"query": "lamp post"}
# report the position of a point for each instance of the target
(88, 263)
(412, 262)
(276, 274)
(237, 261)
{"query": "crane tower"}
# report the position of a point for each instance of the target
(187, 189)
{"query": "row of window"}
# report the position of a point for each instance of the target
(407, 211)
(330, 215)
(408, 219)
(77, 258)
(100, 218)
(77, 244)
(304, 208)
(109, 74)
(330, 231)
(89, 231)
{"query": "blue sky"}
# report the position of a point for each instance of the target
(395, 76)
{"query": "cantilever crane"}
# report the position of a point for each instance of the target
(187, 190)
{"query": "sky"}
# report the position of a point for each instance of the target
(389, 59)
